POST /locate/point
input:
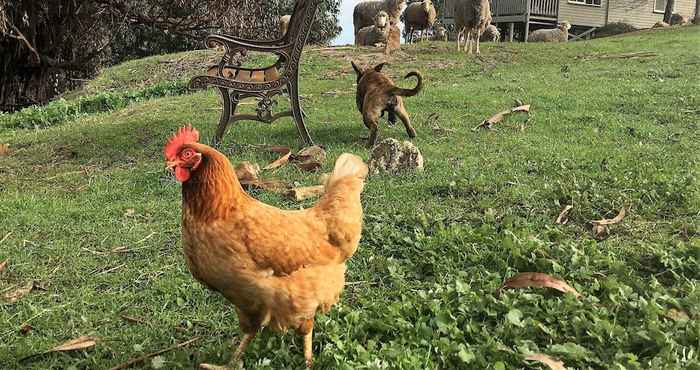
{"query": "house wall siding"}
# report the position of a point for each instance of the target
(584, 15)
(640, 13)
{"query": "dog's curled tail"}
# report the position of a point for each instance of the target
(409, 92)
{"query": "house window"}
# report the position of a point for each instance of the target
(660, 6)
(586, 2)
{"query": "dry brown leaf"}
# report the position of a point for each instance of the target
(677, 315)
(3, 264)
(4, 149)
(15, 294)
(281, 149)
(279, 162)
(600, 232)
(600, 227)
(539, 280)
(270, 185)
(25, 329)
(246, 171)
(81, 342)
(620, 216)
(498, 117)
(310, 158)
(564, 215)
(552, 363)
(132, 319)
(129, 212)
(305, 192)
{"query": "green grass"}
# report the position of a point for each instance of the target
(603, 133)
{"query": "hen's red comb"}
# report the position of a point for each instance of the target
(184, 135)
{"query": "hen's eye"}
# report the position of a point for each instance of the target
(187, 153)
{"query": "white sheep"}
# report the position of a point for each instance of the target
(364, 12)
(471, 18)
(375, 34)
(559, 34)
(491, 34)
(419, 16)
(440, 34)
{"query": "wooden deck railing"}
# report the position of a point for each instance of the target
(547, 8)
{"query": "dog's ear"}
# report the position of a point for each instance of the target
(379, 67)
(356, 68)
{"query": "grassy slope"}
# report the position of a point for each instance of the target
(603, 133)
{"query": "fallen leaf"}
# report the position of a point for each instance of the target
(538, 280)
(547, 360)
(3, 264)
(310, 158)
(246, 171)
(305, 192)
(281, 149)
(279, 162)
(129, 212)
(564, 215)
(4, 149)
(132, 319)
(25, 329)
(677, 315)
(81, 342)
(498, 117)
(270, 185)
(600, 227)
(14, 295)
(620, 216)
(600, 232)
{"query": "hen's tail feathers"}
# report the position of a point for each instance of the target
(409, 92)
(347, 165)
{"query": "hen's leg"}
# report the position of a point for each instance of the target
(307, 330)
(250, 324)
(247, 338)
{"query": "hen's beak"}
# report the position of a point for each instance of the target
(170, 166)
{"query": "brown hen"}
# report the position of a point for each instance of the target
(277, 267)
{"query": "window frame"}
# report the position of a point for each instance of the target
(662, 11)
(583, 2)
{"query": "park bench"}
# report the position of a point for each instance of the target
(282, 78)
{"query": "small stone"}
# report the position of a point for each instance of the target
(393, 156)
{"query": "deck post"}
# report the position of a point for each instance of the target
(528, 9)
(527, 27)
(511, 27)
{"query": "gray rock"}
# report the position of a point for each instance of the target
(393, 156)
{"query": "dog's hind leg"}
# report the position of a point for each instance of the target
(371, 119)
(403, 116)
(373, 133)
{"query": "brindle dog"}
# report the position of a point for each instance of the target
(377, 93)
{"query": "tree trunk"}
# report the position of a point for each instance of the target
(668, 12)
(696, 20)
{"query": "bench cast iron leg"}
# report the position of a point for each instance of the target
(296, 110)
(230, 103)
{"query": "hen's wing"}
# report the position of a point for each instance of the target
(286, 241)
